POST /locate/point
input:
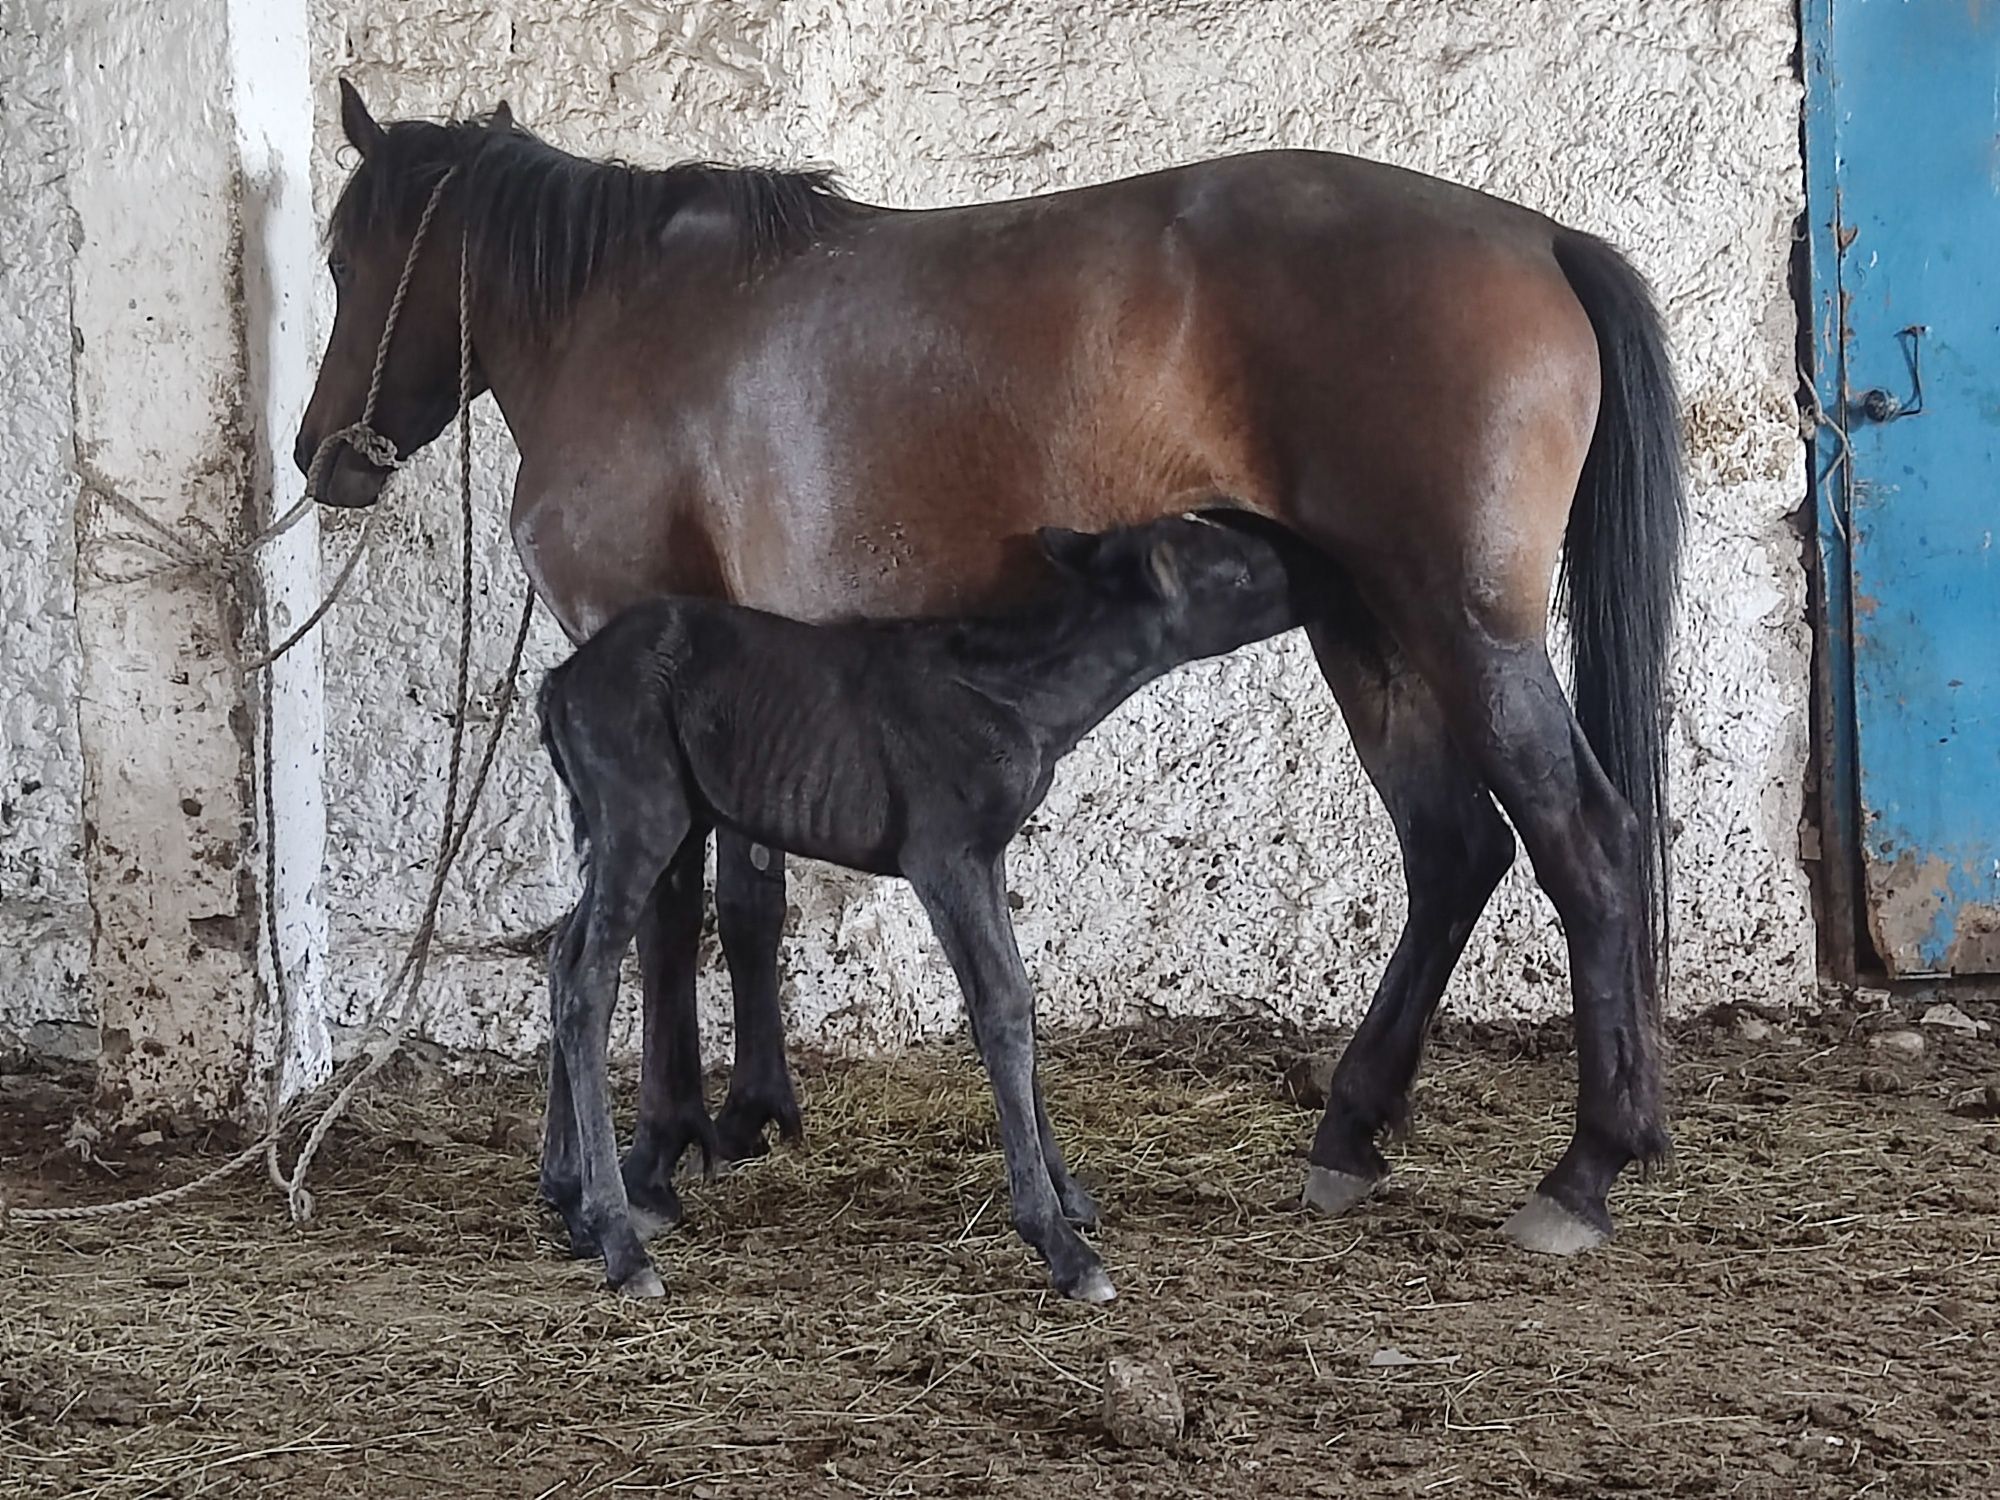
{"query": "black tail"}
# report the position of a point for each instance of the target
(1621, 560)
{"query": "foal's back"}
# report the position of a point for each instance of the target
(829, 741)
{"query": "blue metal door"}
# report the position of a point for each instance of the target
(1904, 185)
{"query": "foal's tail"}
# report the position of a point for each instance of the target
(1621, 560)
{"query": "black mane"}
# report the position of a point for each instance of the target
(545, 224)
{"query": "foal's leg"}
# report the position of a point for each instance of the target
(967, 905)
(672, 1115)
(750, 915)
(624, 867)
(1077, 1204)
(1455, 849)
(1505, 704)
(561, 1181)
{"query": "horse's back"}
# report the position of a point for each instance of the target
(878, 422)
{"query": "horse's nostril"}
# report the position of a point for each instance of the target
(302, 454)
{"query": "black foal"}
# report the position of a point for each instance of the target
(914, 748)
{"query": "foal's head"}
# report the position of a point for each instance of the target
(1207, 588)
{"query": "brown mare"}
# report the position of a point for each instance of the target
(742, 384)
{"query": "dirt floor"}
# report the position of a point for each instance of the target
(1808, 1305)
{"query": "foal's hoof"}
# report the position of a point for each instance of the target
(1334, 1193)
(1547, 1228)
(643, 1285)
(1094, 1285)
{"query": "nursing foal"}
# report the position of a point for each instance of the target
(913, 748)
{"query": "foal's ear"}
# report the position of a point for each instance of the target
(1072, 551)
(1162, 572)
(502, 118)
(363, 134)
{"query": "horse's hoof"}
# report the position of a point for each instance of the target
(738, 1142)
(643, 1285)
(1334, 1193)
(739, 1128)
(1547, 1228)
(1093, 1285)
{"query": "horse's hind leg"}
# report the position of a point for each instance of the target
(1455, 848)
(1506, 706)
(750, 916)
(672, 1115)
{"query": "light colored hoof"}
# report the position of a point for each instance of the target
(644, 1286)
(1547, 1228)
(1334, 1193)
(1095, 1287)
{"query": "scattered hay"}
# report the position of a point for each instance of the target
(1809, 1303)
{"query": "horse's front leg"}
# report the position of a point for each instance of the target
(672, 1114)
(750, 917)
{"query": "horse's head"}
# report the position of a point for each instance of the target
(369, 244)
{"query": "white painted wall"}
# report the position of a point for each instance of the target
(272, 117)
(1172, 866)
(44, 897)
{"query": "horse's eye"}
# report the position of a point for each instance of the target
(337, 267)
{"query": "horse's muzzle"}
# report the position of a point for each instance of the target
(349, 481)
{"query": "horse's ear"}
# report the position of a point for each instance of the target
(363, 134)
(503, 117)
(1072, 551)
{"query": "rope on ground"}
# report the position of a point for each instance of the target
(179, 554)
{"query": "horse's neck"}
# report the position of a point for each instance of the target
(517, 370)
(523, 363)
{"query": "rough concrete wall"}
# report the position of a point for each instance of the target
(44, 897)
(1173, 866)
(158, 381)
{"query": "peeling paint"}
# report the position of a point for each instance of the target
(1976, 949)
(1906, 898)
